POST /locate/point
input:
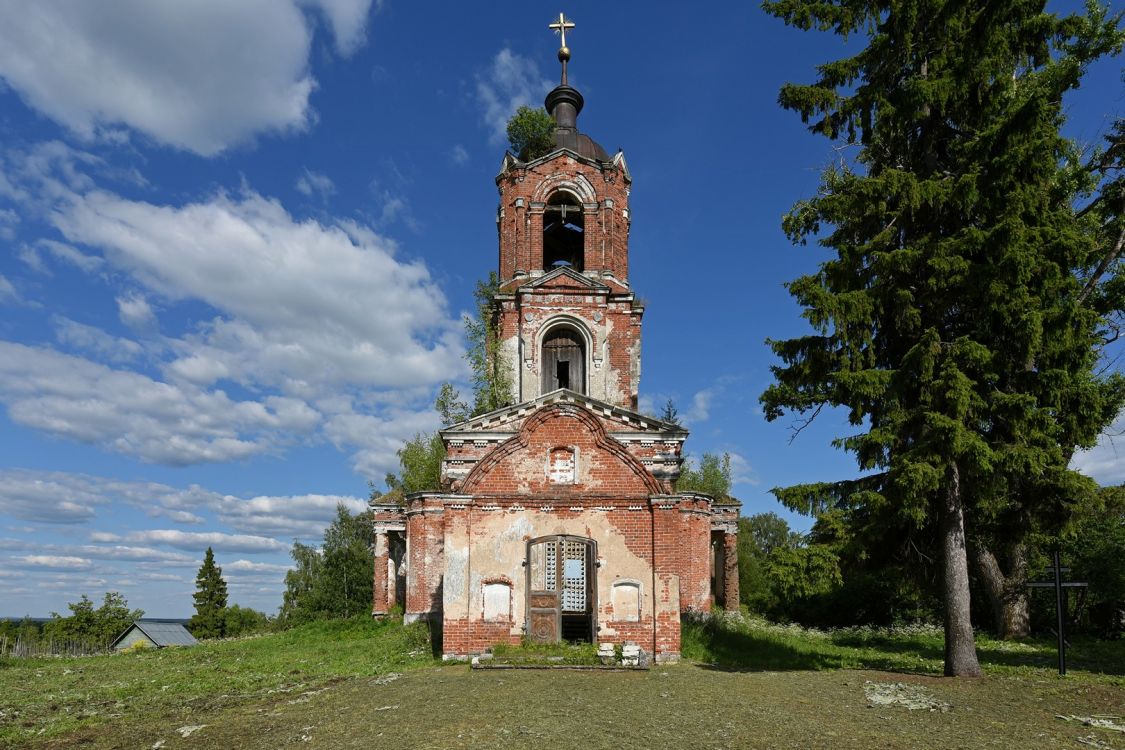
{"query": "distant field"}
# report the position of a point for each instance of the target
(359, 684)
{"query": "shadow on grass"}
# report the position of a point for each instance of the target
(727, 648)
(742, 647)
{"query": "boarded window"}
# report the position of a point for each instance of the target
(497, 601)
(560, 467)
(564, 361)
(627, 600)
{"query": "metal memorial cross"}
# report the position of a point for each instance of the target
(1058, 584)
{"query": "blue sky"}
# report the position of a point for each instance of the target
(238, 239)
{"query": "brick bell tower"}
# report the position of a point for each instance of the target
(566, 315)
(557, 517)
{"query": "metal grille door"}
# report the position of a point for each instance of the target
(560, 582)
(574, 576)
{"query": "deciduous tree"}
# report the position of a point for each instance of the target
(711, 477)
(335, 580)
(492, 380)
(93, 626)
(530, 132)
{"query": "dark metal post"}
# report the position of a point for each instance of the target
(1060, 615)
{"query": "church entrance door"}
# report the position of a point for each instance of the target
(561, 590)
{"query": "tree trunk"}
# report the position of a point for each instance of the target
(1007, 595)
(960, 650)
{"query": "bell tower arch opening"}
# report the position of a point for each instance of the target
(563, 360)
(564, 238)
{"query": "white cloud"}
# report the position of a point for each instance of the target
(47, 496)
(459, 155)
(133, 554)
(130, 413)
(8, 292)
(163, 577)
(1105, 462)
(246, 566)
(310, 182)
(30, 257)
(115, 552)
(200, 75)
(302, 302)
(700, 409)
(134, 311)
(68, 254)
(511, 81)
(378, 439)
(51, 561)
(296, 313)
(8, 221)
(95, 340)
(348, 19)
(60, 497)
(741, 471)
(195, 540)
(288, 516)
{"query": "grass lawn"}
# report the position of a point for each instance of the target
(754, 685)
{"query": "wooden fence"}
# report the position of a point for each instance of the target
(22, 647)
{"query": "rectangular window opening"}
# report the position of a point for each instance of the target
(562, 373)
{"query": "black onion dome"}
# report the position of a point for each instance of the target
(564, 103)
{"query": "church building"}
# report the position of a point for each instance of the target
(557, 519)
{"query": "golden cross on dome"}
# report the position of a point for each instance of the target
(560, 26)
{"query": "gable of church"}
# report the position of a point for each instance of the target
(563, 450)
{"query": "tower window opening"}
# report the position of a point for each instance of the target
(563, 233)
(563, 361)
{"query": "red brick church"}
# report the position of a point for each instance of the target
(557, 518)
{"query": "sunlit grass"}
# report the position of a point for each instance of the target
(50, 696)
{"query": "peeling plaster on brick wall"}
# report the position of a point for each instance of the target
(601, 301)
(623, 463)
(642, 534)
(489, 561)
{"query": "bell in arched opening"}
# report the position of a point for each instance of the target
(563, 233)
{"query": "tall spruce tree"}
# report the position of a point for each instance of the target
(210, 600)
(950, 321)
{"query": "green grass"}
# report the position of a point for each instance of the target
(52, 696)
(528, 653)
(748, 684)
(751, 643)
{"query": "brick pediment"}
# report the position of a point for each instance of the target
(562, 450)
(565, 278)
(656, 445)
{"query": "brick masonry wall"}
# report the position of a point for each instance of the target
(658, 451)
(650, 543)
(425, 540)
(602, 189)
(603, 307)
